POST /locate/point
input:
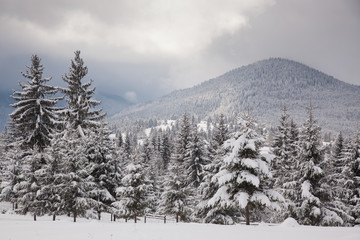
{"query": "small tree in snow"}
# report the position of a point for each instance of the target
(132, 195)
(176, 198)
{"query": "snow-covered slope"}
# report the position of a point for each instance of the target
(17, 227)
(263, 87)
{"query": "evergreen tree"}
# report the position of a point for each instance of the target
(50, 191)
(105, 169)
(195, 160)
(312, 193)
(284, 162)
(165, 151)
(76, 182)
(338, 147)
(177, 196)
(182, 139)
(221, 133)
(12, 175)
(132, 195)
(35, 115)
(79, 98)
(351, 178)
(243, 175)
(31, 183)
(210, 185)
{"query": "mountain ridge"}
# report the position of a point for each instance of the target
(263, 86)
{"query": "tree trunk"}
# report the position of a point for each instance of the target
(75, 216)
(16, 205)
(177, 218)
(54, 217)
(13, 205)
(114, 218)
(34, 217)
(247, 215)
(135, 219)
(99, 215)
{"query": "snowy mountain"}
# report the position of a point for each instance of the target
(263, 87)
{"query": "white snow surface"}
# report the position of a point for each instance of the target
(16, 227)
(290, 222)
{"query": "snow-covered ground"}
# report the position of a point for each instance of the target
(17, 227)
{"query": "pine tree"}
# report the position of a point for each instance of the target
(243, 175)
(338, 146)
(210, 185)
(31, 183)
(12, 175)
(177, 196)
(221, 133)
(351, 175)
(79, 98)
(76, 182)
(35, 116)
(182, 139)
(50, 192)
(105, 169)
(195, 160)
(165, 151)
(132, 195)
(284, 162)
(313, 195)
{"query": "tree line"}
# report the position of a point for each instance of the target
(62, 160)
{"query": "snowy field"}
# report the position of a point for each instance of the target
(15, 227)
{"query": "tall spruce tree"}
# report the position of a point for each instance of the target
(79, 113)
(75, 182)
(196, 158)
(35, 116)
(284, 162)
(312, 194)
(177, 196)
(208, 188)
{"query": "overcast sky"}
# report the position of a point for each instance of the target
(142, 49)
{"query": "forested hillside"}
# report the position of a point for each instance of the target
(262, 87)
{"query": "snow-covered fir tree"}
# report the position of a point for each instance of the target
(12, 174)
(32, 166)
(165, 151)
(50, 192)
(338, 147)
(132, 195)
(243, 175)
(76, 182)
(105, 168)
(182, 138)
(196, 157)
(35, 116)
(283, 165)
(312, 194)
(79, 112)
(209, 186)
(177, 196)
(350, 176)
